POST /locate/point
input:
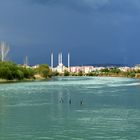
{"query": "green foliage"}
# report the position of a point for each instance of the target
(92, 74)
(114, 70)
(55, 73)
(44, 71)
(74, 74)
(5, 73)
(130, 74)
(11, 71)
(20, 74)
(66, 73)
(27, 72)
(110, 70)
(80, 73)
(105, 70)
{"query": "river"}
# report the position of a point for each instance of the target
(71, 108)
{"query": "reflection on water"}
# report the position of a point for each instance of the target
(110, 109)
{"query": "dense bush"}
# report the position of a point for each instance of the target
(55, 73)
(44, 71)
(11, 71)
(80, 73)
(66, 73)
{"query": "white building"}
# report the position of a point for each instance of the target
(124, 69)
(75, 69)
(60, 67)
(84, 69)
(137, 67)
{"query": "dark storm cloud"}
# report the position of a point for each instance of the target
(95, 5)
(103, 31)
(45, 1)
(75, 4)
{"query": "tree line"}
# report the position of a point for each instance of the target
(112, 72)
(12, 71)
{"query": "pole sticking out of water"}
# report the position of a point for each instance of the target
(69, 101)
(61, 100)
(81, 102)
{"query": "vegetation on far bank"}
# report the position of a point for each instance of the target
(110, 72)
(12, 71)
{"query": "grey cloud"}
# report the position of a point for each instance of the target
(95, 5)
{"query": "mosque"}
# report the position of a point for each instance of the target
(60, 67)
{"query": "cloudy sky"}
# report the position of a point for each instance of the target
(93, 31)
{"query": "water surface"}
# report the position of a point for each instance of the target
(101, 109)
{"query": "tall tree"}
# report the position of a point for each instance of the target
(4, 50)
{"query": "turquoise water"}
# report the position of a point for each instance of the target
(110, 109)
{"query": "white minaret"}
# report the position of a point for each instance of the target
(68, 60)
(60, 65)
(61, 58)
(52, 60)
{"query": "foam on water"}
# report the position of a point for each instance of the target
(87, 81)
(27, 104)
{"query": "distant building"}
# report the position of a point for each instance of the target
(60, 67)
(36, 66)
(98, 68)
(137, 67)
(75, 69)
(124, 69)
(84, 69)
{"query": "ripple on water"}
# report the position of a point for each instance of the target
(110, 110)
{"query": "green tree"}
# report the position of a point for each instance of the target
(105, 70)
(80, 73)
(115, 70)
(55, 73)
(28, 72)
(19, 75)
(44, 71)
(11, 71)
(66, 73)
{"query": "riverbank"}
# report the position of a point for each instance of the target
(11, 72)
(2, 81)
(15, 81)
(108, 72)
